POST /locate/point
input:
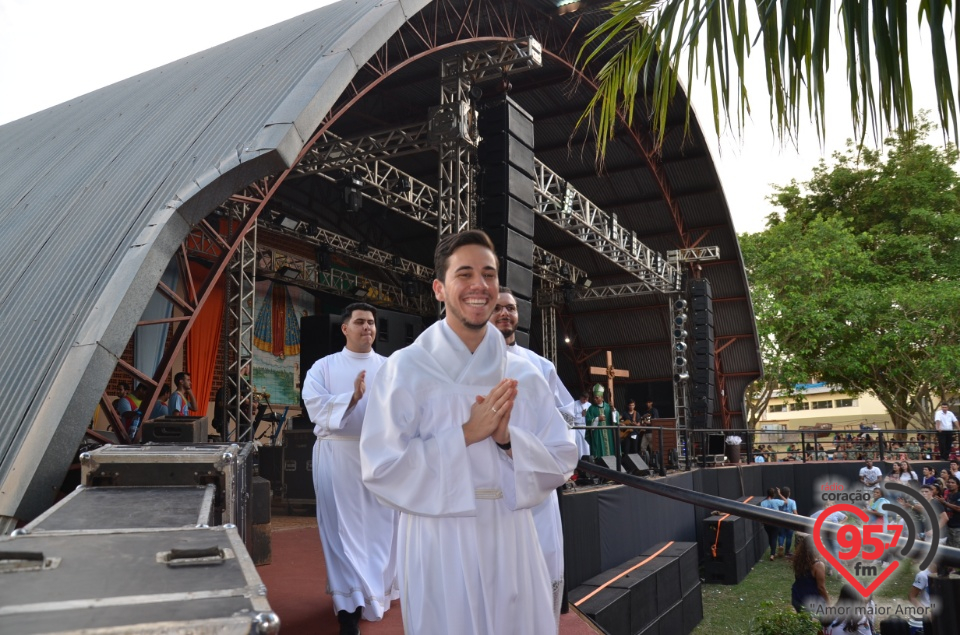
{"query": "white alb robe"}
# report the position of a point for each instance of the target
(358, 533)
(546, 515)
(469, 560)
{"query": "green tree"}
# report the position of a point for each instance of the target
(858, 280)
(643, 43)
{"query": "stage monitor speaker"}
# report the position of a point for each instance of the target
(298, 466)
(175, 430)
(635, 465)
(609, 462)
(715, 444)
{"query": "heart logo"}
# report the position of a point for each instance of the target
(858, 533)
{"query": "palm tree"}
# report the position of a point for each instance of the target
(643, 43)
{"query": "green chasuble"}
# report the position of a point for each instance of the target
(602, 442)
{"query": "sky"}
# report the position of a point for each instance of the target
(54, 50)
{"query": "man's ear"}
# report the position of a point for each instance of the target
(438, 291)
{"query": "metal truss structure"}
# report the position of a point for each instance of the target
(556, 200)
(275, 221)
(453, 124)
(548, 324)
(240, 310)
(678, 347)
(278, 265)
(693, 254)
(560, 203)
(445, 209)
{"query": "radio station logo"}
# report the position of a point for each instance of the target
(866, 555)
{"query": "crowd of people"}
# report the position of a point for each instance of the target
(862, 446)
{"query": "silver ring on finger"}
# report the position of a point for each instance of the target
(494, 410)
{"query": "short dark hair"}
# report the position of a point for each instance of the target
(450, 243)
(140, 387)
(178, 378)
(785, 491)
(356, 306)
(164, 390)
(504, 289)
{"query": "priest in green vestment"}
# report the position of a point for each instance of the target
(602, 442)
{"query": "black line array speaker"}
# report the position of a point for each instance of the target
(702, 356)
(320, 335)
(507, 198)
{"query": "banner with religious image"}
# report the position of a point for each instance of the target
(276, 353)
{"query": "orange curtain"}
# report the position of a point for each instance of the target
(203, 341)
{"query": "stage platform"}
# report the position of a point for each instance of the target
(607, 525)
(296, 582)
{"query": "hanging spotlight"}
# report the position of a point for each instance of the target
(680, 319)
(323, 258)
(396, 261)
(681, 377)
(288, 272)
(679, 334)
(363, 247)
(680, 348)
(680, 362)
(566, 339)
(680, 305)
(401, 186)
(350, 186)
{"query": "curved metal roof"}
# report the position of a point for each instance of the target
(97, 194)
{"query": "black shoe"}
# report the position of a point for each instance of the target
(349, 622)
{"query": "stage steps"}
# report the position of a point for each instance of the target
(656, 592)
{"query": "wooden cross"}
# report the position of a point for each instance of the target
(609, 372)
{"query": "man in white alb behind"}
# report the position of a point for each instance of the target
(546, 515)
(357, 532)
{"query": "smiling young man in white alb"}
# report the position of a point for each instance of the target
(358, 533)
(465, 439)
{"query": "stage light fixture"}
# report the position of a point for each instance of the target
(476, 93)
(396, 261)
(350, 185)
(566, 339)
(680, 347)
(680, 362)
(323, 258)
(680, 319)
(584, 282)
(680, 305)
(679, 334)
(409, 288)
(401, 186)
(360, 292)
(288, 272)
(363, 247)
(681, 377)
(565, 271)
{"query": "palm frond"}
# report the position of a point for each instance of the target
(636, 52)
